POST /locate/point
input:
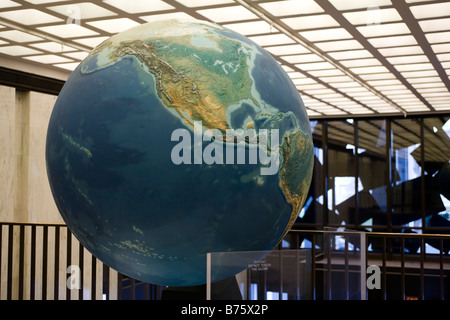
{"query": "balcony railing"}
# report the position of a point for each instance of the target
(46, 262)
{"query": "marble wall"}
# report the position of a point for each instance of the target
(25, 194)
(25, 197)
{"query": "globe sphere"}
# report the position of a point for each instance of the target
(174, 139)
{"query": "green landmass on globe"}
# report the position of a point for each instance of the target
(110, 141)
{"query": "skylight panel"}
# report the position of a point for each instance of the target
(360, 62)
(91, 42)
(361, 70)
(44, 1)
(435, 24)
(431, 10)
(48, 58)
(414, 66)
(167, 16)
(303, 81)
(114, 25)
(273, 39)
(367, 16)
(254, 27)
(86, 10)
(438, 37)
(399, 51)
(287, 49)
(68, 66)
(393, 41)
(408, 59)
(339, 45)
(80, 55)
(328, 34)
(311, 22)
(68, 30)
(52, 46)
(301, 58)
(8, 4)
(348, 5)
(350, 54)
(419, 74)
(314, 66)
(226, 14)
(326, 73)
(201, 3)
(18, 50)
(438, 48)
(291, 7)
(29, 16)
(138, 6)
(18, 36)
(377, 30)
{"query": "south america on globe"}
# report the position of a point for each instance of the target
(174, 139)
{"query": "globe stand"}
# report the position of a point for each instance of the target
(226, 289)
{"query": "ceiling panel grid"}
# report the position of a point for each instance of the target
(346, 58)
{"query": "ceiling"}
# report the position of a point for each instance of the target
(346, 58)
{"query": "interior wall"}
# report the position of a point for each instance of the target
(25, 194)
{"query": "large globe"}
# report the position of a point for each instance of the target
(174, 139)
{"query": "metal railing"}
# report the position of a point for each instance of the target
(412, 266)
(46, 262)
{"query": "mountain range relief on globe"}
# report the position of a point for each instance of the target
(111, 144)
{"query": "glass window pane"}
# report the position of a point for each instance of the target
(341, 173)
(437, 171)
(406, 173)
(311, 213)
(372, 200)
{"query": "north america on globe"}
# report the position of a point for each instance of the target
(174, 139)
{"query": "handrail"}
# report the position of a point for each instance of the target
(380, 234)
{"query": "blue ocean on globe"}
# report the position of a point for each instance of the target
(146, 200)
